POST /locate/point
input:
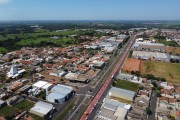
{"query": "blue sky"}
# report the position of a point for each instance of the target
(89, 9)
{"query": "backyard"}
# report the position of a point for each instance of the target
(9, 111)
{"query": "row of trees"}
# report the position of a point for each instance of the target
(148, 76)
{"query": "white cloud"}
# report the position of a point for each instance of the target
(4, 1)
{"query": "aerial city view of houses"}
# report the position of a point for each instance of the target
(97, 69)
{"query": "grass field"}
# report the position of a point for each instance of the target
(61, 41)
(170, 71)
(24, 105)
(9, 111)
(127, 85)
(173, 50)
(3, 50)
(41, 35)
(168, 43)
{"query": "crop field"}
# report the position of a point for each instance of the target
(169, 71)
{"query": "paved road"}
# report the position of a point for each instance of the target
(98, 106)
(153, 105)
(108, 82)
(74, 114)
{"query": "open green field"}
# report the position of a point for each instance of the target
(3, 50)
(169, 71)
(168, 43)
(61, 41)
(42, 38)
(9, 111)
(24, 105)
(39, 34)
(127, 85)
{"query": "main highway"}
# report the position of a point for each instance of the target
(100, 90)
(112, 72)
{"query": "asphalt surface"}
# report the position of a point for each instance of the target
(92, 108)
(84, 97)
(153, 105)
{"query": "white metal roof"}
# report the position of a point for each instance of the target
(63, 89)
(42, 107)
(125, 92)
(42, 84)
(55, 95)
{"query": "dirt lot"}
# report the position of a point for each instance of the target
(132, 65)
(173, 50)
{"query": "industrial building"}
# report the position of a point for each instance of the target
(129, 77)
(147, 46)
(113, 110)
(75, 77)
(71, 76)
(59, 94)
(151, 55)
(123, 76)
(122, 93)
(42, 85)
(2, 103)
(42, 109)
(99, 64)
(38, 87)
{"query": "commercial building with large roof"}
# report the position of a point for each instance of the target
(42, 85)
(147, 46)
(42, 109)
(59, 94)
(122, 93)
(113, 110)
(151, 55)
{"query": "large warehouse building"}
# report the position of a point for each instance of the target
(151, 55)
(60, 94)
(113, 110)
(147, 46)
(42, 109)
(122, 93)
(42, 85)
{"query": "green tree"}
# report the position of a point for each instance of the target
(154, 84)
(148, 111)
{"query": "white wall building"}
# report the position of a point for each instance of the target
(122, 93)
(42, 85)
(59, 94)
(42, 109)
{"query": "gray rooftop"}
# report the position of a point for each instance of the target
(125, 75)
(63, 89)
(122, 91)
(107, 114)
(42, 108)
(1, 102)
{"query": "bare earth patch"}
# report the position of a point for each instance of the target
(132, 65)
